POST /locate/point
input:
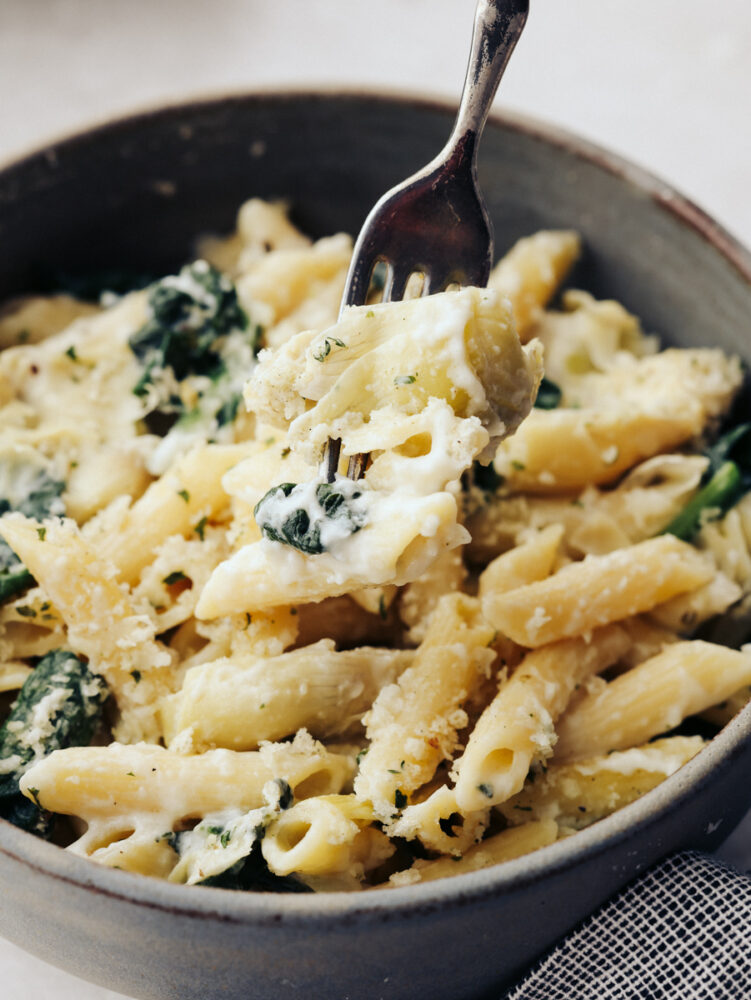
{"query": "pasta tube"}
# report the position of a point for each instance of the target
(505, 846)
(173, 505)
(325, 835)
(563, 451)
(578, 794)
(120, 782)
(237, 702)
(401, 538)
(437, 823)
(598, 590)
(457, 346)
(528, 562)
(413, 723)
(517, 728)
(531, 271)
(652, 698)
(102, 624)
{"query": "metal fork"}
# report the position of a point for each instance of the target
(435, 223)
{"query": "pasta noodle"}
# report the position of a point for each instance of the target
(654, 697)
(576, 795)
(518, 726)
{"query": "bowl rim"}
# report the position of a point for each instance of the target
(663, 192)
(333, 908)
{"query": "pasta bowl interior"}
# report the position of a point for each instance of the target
(386, 737)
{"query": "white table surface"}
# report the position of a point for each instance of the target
(665, 82)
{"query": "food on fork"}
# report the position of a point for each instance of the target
(429, 385)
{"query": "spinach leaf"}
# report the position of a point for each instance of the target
(59, 705)
(32, 491)
(301, 525)
(548, 395)
(251, 874)
(189, 314)
(227, 846)
(726, 480)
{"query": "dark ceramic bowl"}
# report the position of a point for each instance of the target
(134, 194)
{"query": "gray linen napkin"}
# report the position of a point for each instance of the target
(682, 931)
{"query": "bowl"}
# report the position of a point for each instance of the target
(135, 193)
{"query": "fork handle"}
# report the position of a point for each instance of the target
(498, 24)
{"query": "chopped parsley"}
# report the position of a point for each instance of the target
(325, 349)
(400, 799)
(405, 379)
(487, 790)
(175, 577)
(200, 528)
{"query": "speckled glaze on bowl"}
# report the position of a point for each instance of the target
(135, 193)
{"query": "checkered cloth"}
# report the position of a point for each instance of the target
(680, 932)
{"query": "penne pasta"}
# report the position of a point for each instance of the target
(578, 794)
(684, 679)
(531, 272)
(240, 701)
(505, 846)
(599, 590)
(413, 723)
(518, 727)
